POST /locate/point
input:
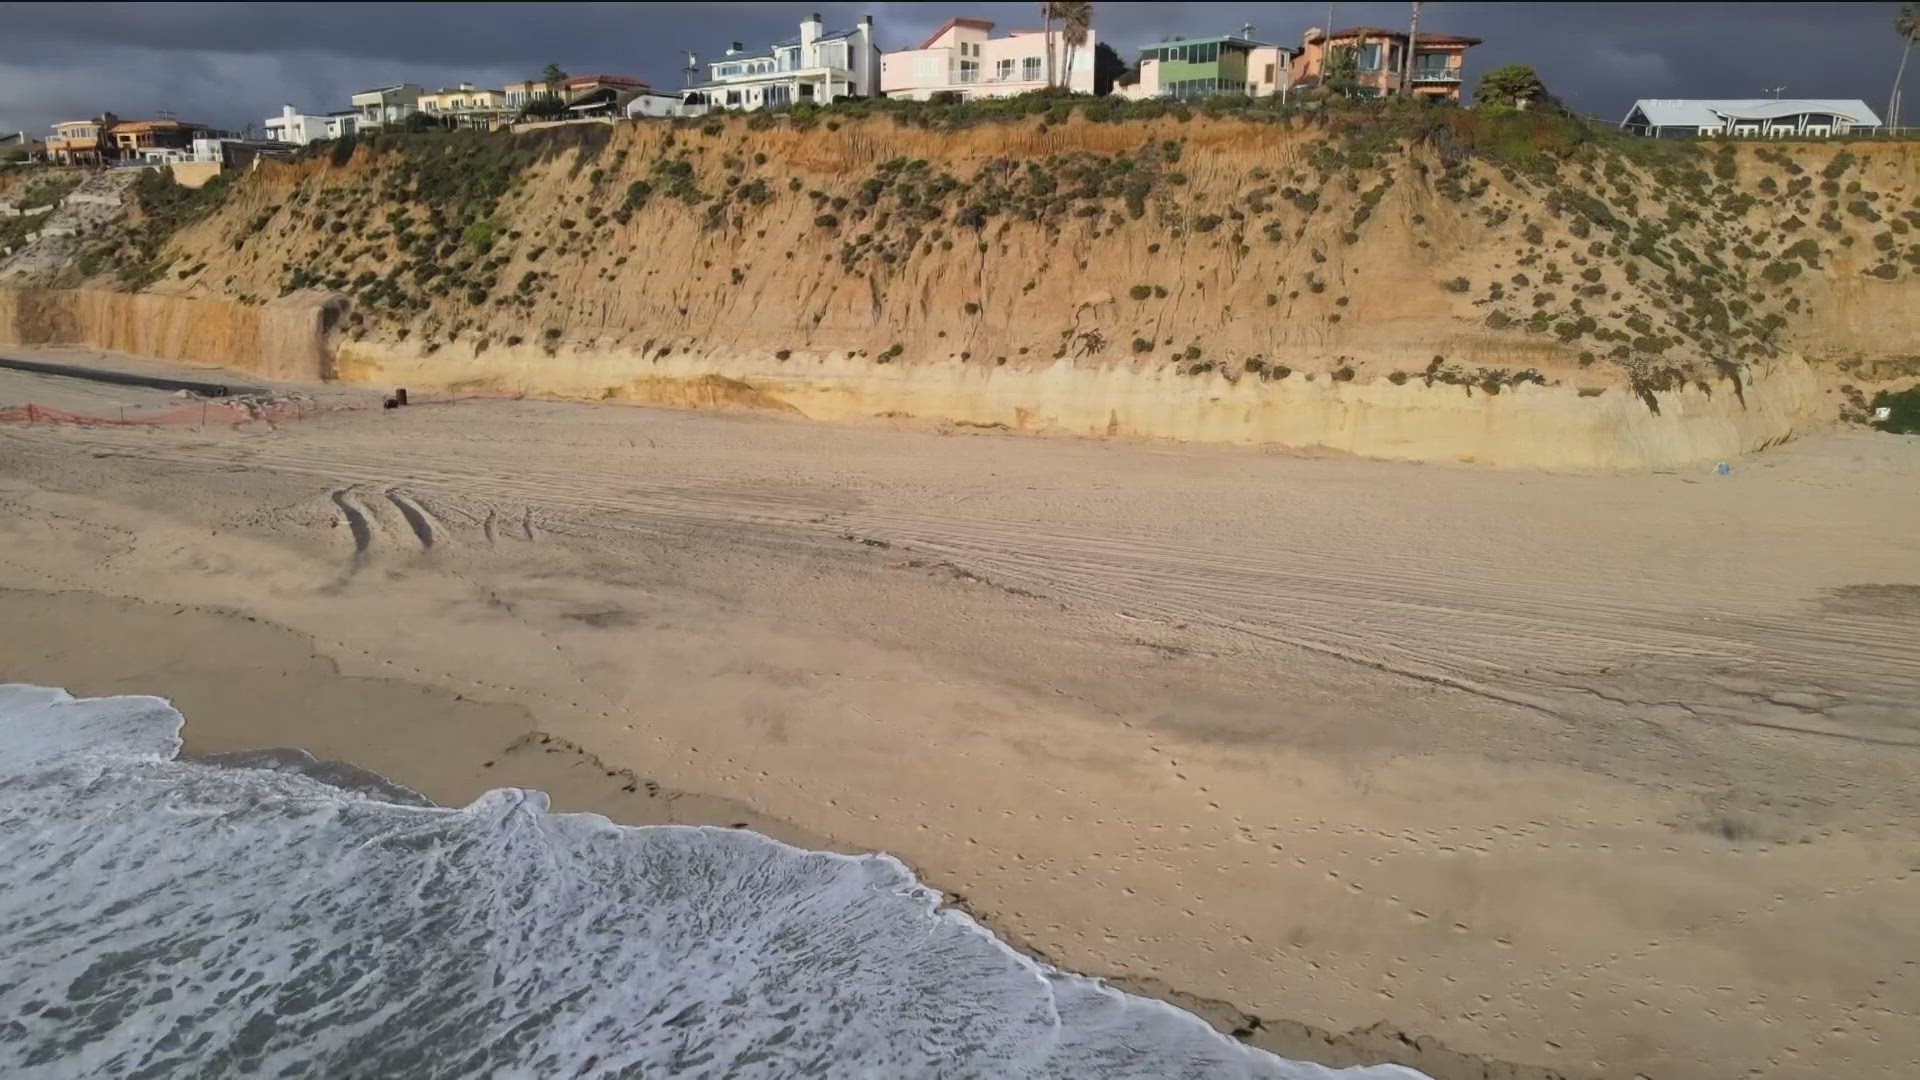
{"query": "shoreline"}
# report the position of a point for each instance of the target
(75, 631)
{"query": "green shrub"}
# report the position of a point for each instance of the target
(1780, 272)
(1903, 417)
(1140, 292)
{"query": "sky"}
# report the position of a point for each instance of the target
(231, 65)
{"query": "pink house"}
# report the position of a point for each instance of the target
(964, 58)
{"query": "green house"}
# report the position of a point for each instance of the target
(1200, 67)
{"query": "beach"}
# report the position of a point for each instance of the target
(1470, 769)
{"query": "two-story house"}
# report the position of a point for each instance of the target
(156, 141)
(380, 106)
(1381, 61)
(817, 67)
(963, 57)
(298, 129)
(82, 142)
(1202, 67)
(466, 106)
(522, 94)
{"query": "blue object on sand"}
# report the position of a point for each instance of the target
(1722, 469)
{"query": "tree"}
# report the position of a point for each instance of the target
(553, 75)
(417, 122)
(1907, 25)
(1514, 86)
(1076, 20)
(1046, 23)
(1340, 74)
(1109, 69)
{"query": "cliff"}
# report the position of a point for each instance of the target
(1418, 284)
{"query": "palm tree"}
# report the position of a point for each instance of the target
(1076, 20)
(1907, 25)
(1046, 21)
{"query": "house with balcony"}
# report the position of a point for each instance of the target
(156, 142)
(1437, 68)
(83, 142)
(964, 58)
(818, 67)
(1759, 118)
(383, 105)
(466, 106)
(601, 95)
(1186, 68)
(520, 95)
(296, 128)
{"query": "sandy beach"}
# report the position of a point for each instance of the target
(1492, 773)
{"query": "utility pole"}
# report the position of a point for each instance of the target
(1326, 44)
(1406, 62)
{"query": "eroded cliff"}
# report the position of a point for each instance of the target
(1446, 289)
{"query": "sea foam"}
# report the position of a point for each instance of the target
(162, 917)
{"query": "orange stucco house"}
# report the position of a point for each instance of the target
(1436, 71)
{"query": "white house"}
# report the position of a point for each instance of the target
(383, 105)
(817, 67)
(299, 129)
(652, 102)
(963, 57)
(1806, 118)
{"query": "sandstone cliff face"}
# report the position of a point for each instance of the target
(1203, 279)
(286, 339)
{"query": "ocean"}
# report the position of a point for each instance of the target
(273, 915)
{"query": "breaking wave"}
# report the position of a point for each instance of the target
(273, 915)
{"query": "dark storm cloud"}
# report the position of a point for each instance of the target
(232, 64)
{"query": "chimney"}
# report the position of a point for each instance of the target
(286, 112)
(809, 36)
(736, 49)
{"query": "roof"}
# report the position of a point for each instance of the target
(975, 24)
(1713, 112)
(605, 80)
(137, 126)
(835, 36)
(1425, 38)
(382, 89)
(1235, 38)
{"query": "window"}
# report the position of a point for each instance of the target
(969, 71)
(733, 97)
(1270, 75)
(1030, 69)
(1003, 70)
(1370, 57)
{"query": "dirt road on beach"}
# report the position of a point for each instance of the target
(1610, 775)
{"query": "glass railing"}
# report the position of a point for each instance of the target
(1435, 73)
